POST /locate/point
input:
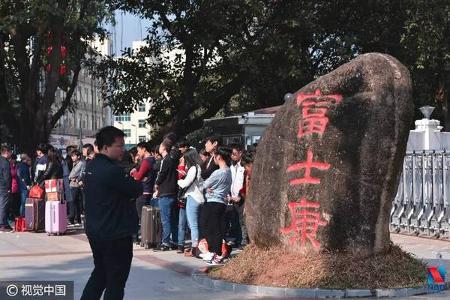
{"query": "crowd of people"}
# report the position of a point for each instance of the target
(17, 177)
(199, 192)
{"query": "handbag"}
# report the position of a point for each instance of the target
(36, 192)
(181, 197)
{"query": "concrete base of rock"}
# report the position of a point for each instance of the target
(201, 277)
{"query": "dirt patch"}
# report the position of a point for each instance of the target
(278, 267)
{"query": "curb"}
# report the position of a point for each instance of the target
(201, 277)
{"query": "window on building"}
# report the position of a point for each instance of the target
(142, 138)
(142, 123)
(127, 132)
(79, 94)
(123, 118)
(86, 92)
(141, 107)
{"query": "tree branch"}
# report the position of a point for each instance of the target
(66, 102)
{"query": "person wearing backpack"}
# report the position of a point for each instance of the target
(193, 195)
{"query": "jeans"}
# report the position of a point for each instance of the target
(154, 202)
(235, 223)
(192, 212)
(168, 208)
(182, 224)
(4, 208)
(243, 238)
(112, 262)
(23, 200)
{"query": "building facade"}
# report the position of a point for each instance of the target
(134, 125)
(79, 126)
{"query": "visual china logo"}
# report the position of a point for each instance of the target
(436, 278)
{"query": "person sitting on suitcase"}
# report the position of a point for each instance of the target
(111, 217)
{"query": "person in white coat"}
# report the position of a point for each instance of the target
(235, 201)
(192, 184)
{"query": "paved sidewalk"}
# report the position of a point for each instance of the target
(162, 275)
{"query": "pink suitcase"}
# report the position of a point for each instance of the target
(55, 217)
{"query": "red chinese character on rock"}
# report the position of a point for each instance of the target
(314, 108)
(307, 165)
(305, 222)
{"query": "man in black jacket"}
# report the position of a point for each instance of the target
(5, 188)
(111, 218)
(166, 190)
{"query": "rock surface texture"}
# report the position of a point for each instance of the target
(328, 166)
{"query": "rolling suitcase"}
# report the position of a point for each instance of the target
(55, 217)
(151, 227)
(35, 214)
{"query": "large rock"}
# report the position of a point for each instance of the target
(352, 125)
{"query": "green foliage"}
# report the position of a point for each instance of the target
(28, 111)
(228, 56)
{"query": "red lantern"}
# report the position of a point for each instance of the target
(63, 51)
(49, 68)
(49, 50)
(62, 70)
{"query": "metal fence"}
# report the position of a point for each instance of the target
(421, 205)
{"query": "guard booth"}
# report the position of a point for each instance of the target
(421, 205)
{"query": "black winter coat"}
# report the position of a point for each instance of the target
(108, 190)
(53, 170)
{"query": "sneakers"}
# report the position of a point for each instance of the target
(207, 256)
(161, 247)
(216, 261)
(6, 229)
(180, 249)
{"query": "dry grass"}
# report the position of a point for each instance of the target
(278, 267)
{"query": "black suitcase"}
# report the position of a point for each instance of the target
(35, 214)
(151, 227)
